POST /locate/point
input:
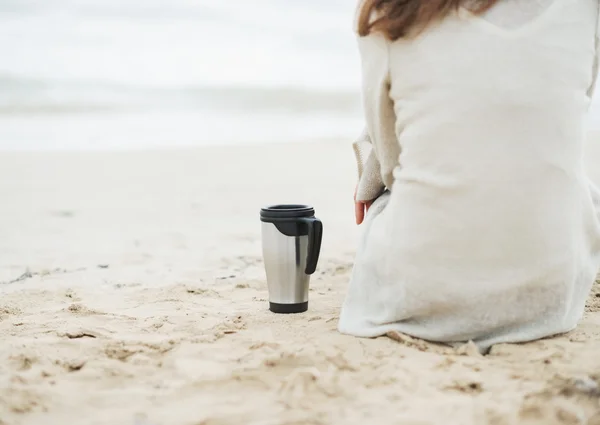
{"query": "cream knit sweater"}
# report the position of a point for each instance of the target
(489, 230)
(506, 14)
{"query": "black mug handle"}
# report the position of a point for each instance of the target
(315, 236)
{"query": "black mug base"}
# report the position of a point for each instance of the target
(288, 308)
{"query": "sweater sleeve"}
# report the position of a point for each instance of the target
(370, 184)
(378, 150)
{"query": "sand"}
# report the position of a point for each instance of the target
(132, 292)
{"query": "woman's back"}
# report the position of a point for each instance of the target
(490, 231)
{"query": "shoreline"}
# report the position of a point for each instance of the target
(314, 142)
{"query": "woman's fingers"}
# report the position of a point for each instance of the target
(360, 208)
(359, 212)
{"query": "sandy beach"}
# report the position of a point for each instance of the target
(133, 292)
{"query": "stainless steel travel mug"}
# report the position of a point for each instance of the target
(291, 243)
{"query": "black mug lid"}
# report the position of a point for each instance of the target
(286, 211)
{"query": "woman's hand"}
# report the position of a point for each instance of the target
(360, 208)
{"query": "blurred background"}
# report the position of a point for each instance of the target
(136, 74)
(122, 74)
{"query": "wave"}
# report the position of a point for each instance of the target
(23, 96)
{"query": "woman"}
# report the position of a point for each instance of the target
(484, 226)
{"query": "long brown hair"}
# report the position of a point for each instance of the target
(403, 18)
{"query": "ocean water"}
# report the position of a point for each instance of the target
(106, 74)
(129, 74)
